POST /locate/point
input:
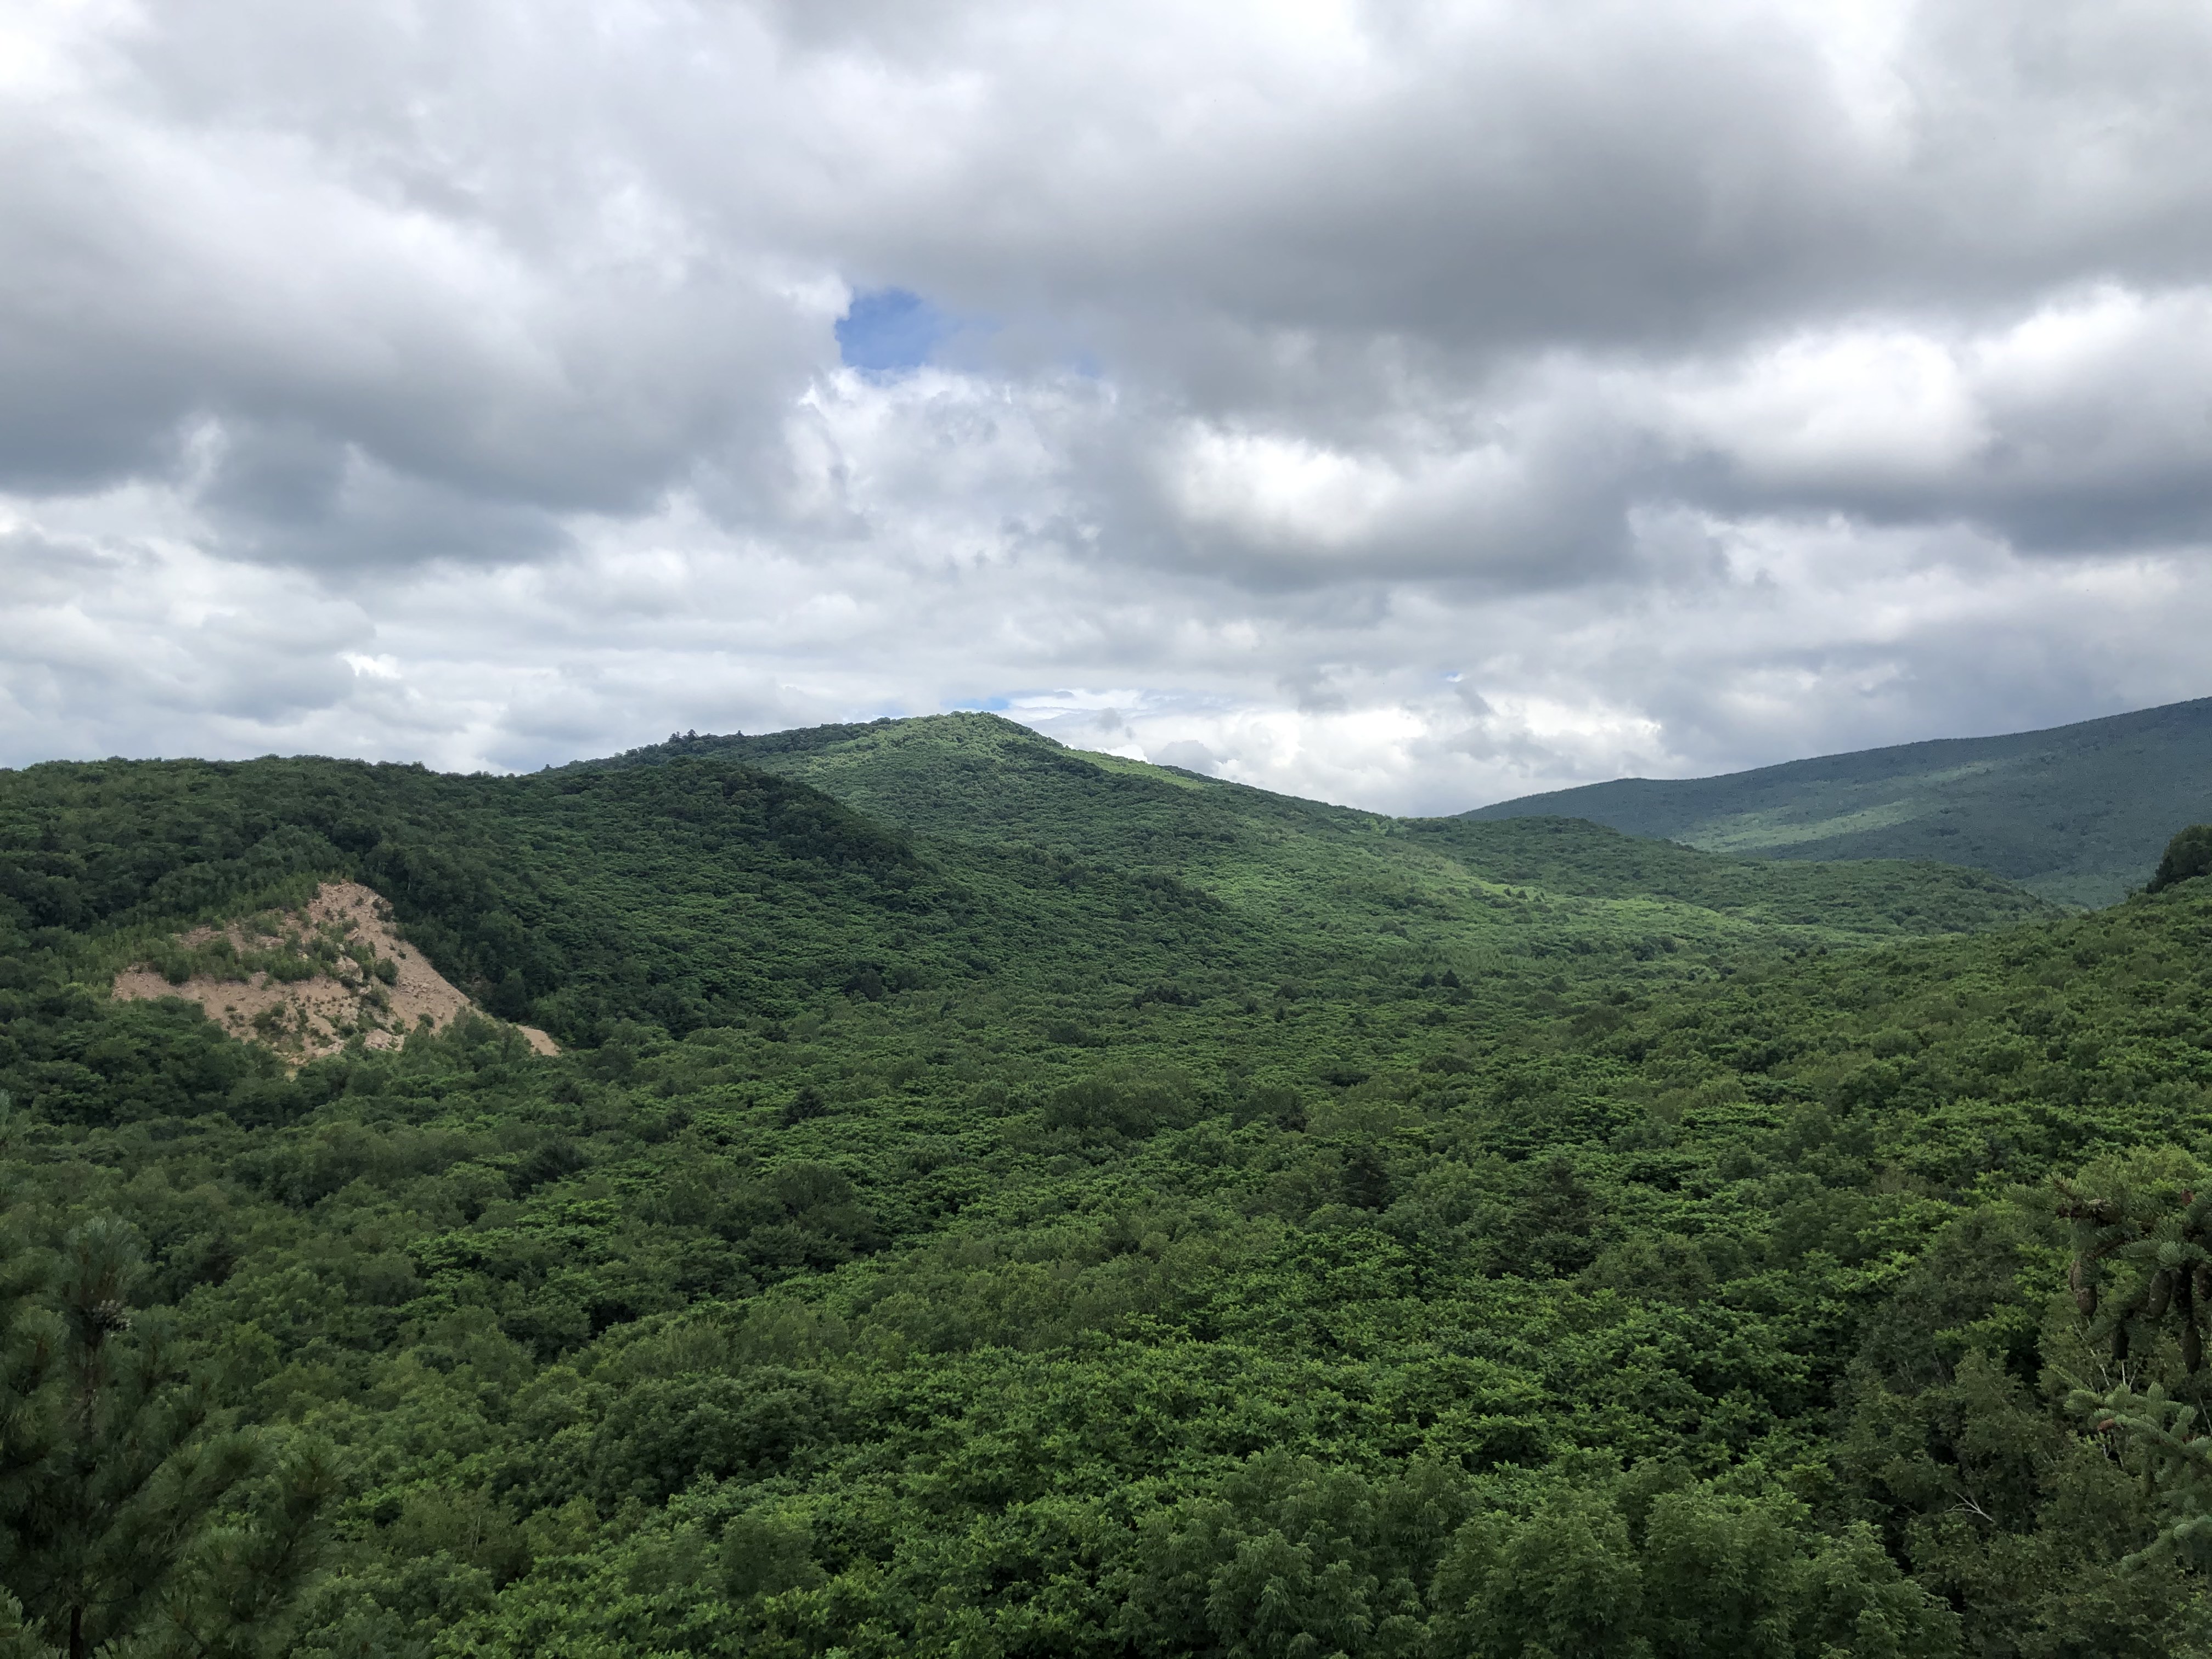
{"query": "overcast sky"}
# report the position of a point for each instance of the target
(1407, 404)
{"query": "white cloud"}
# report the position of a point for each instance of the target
(1699, 385)
(1858, 408)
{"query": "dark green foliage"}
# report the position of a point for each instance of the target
(530, 888)
(1036, 1203)
(667, 1434)
(2188, 856)
(1287, 1557)
(1701, 1575)
(2077, 813)
(119, 1481)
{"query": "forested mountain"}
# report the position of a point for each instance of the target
(2077, 813)
(1000, 1200)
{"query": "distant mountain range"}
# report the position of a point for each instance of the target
(2077, 813)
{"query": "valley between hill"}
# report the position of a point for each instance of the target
(999, 1200)
(2077, 813)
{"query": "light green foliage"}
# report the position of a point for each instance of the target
(1017, 1203)
(286, 956)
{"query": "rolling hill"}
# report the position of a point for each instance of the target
(976, 787)
(1085, 900)
(997, 1200)
(2077, 813)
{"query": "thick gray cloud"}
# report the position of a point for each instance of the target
(1410, 404)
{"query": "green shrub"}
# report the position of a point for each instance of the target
(2188, 856)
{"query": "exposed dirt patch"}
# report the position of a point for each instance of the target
(305, 983)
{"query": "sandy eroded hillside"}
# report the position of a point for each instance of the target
(306, 981)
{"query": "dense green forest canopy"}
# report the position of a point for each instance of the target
(1005, 1201)
(2078, 813)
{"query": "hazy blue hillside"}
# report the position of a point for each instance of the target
(2077, 813)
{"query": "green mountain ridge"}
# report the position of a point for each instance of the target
(1006, 1200)
(2078, 813)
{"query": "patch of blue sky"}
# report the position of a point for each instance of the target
(888, 330)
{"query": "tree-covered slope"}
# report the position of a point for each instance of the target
(2077, 813)
(1082, 893)
(1137, 1216)
(669, 896)
(976, 786)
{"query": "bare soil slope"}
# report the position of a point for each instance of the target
(305, 983)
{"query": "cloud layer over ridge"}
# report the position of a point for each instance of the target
(1410, 404)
